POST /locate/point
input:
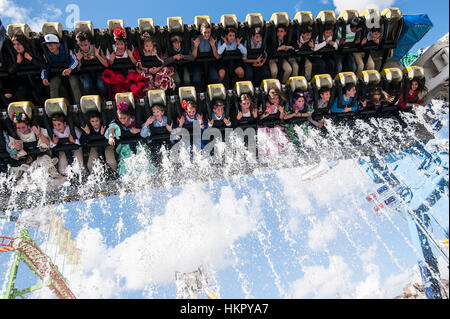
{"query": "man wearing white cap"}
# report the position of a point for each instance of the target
(56, 54)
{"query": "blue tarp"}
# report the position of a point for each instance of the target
(414, 29)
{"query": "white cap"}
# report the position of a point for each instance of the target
(51, 38)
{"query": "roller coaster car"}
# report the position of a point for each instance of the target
(36, 116)
(137, 109)
(319, 82)
(371, 20)
(276, 20)
(392, 21)
(297, 84)
(64, 39)
(340, 81)
(230, 21)
(392, 82)
(218, 92)
(176, 27)
(369, 81)
(323, 19)
(35, 47)
(253, 22)
(344, 22)
(108, 38)
(147, 28)
(266, 86)
(195, 32)
(411, 73)
(302, 22)
(244, 87)
(94, 37)
(159, 98)
(60, 106)
(188, 93)
(92, 104)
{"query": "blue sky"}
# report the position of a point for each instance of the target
(100, 11)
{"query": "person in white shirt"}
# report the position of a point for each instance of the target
(329, 58)
(62, 130)
(231, 43)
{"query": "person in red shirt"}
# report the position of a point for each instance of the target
(414, 97)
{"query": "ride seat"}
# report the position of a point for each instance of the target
(344, 19)
(157, 97)
(126, 97)
(229, 20)
(372, 20)
(93, 34)
(297, 84)
(175, 25)
(318, 82)
(369, 79)
(25, 107)
(187, 92)
(301, 20)
(326, 17)
(252, 21)
(266, 85)
(392, 21)
(84, 26)
(146, 25)
(13, 29)
(340, 81)
(52, 28)
(414, 72)
(217, 92)
(93, 103)
(244, 87)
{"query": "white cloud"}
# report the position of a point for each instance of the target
(193, 230)
(323, 283)
(13, 13)
(362, 4)
(324, 191)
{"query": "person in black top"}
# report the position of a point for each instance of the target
(278, 45)
(27, 87)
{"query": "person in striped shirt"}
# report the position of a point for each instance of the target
(352, 35)
(57, 54)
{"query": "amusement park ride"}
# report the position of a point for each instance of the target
(38, 262)
(392, 195)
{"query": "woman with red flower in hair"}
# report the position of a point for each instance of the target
(160, 77)
(190, 114)
(114, 132)
(117, 81)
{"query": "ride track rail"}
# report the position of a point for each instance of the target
(39, 264)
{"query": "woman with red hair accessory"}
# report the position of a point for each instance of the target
(114, 132)
(159, 77)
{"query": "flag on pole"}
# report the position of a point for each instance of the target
(71, 252)
(64, 241)
(55, 228)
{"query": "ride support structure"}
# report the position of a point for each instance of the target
(38, 262)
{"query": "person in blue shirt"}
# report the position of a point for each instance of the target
(256, 70)
(56, 53)
(204, 43)
(231, 43)
(349, 103)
